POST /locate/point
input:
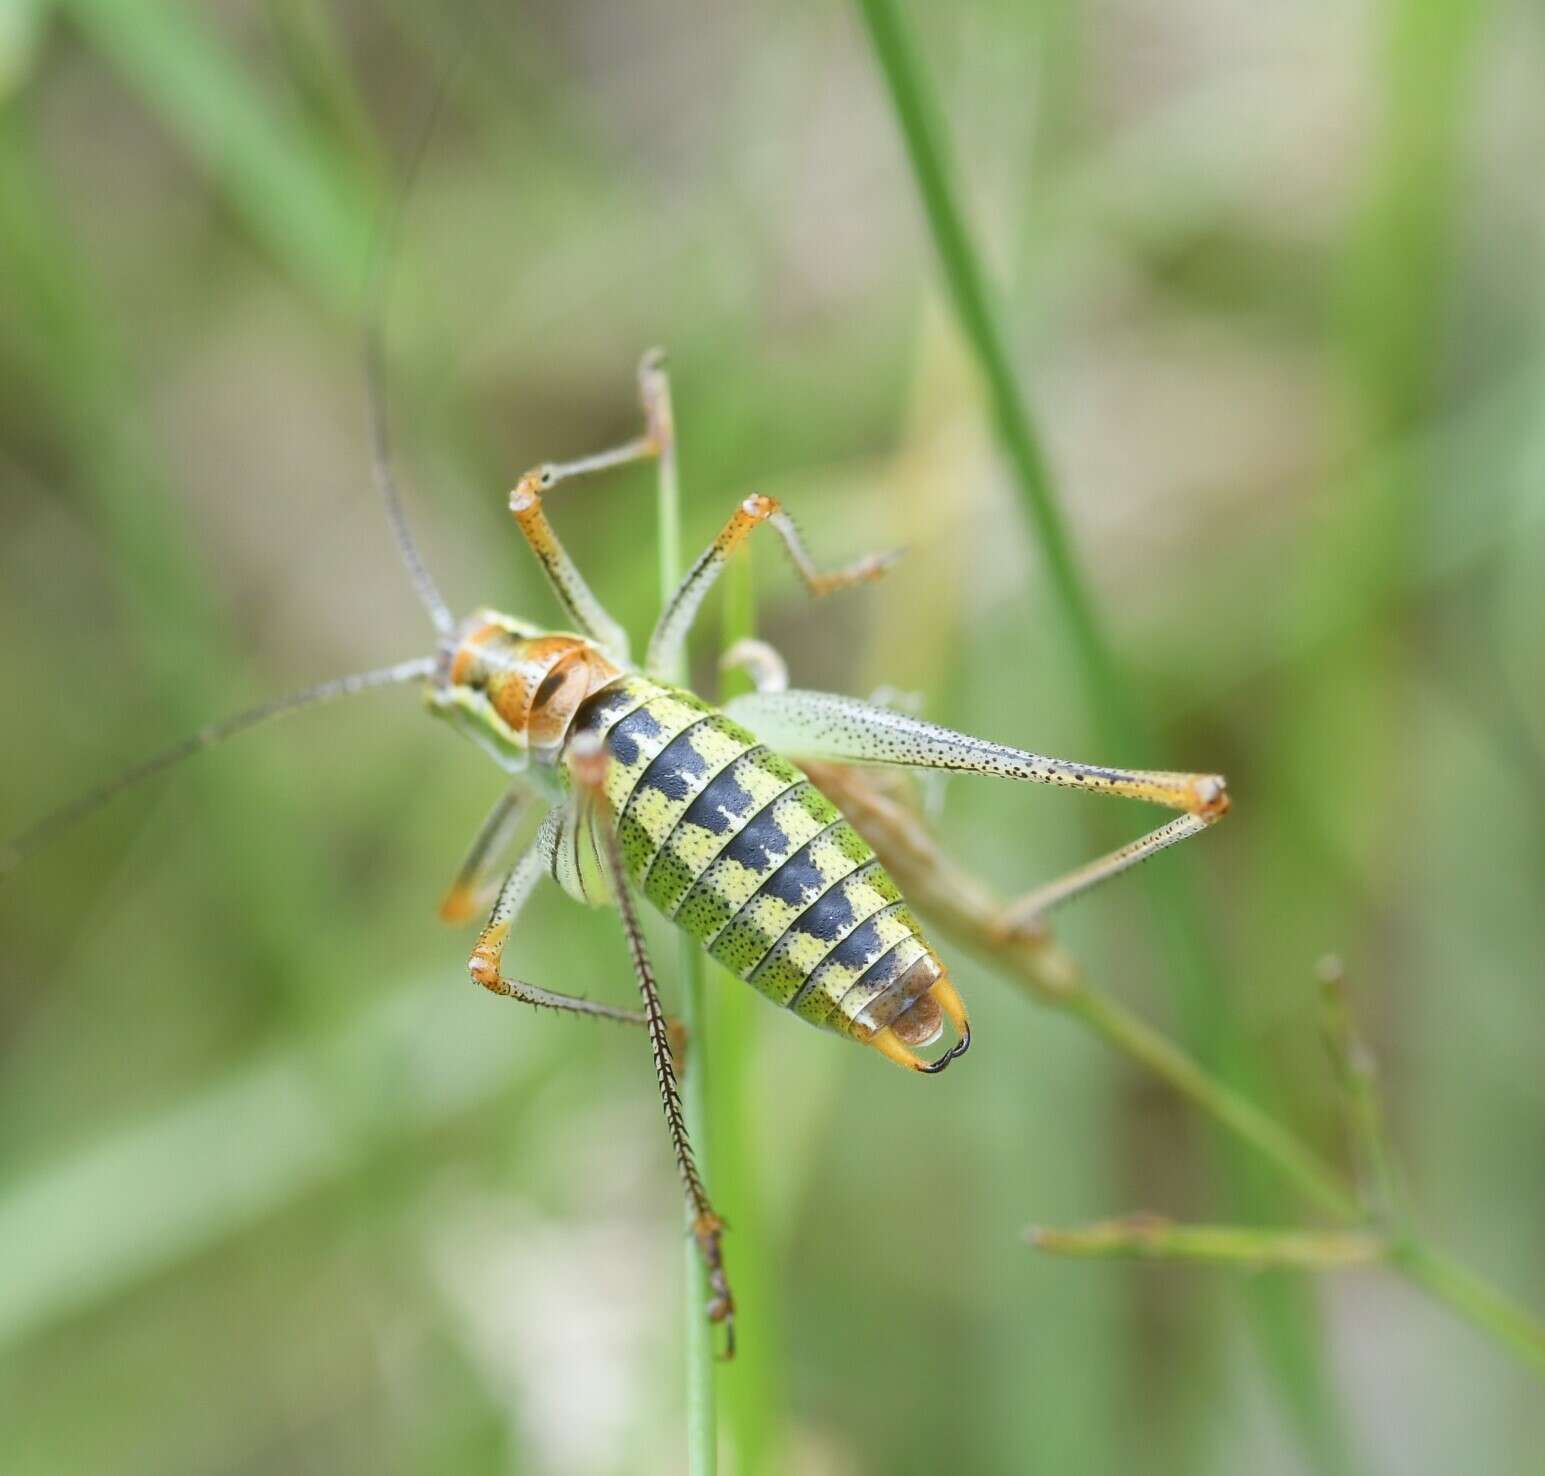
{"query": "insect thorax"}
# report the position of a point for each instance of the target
(515, 689)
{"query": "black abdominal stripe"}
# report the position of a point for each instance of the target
(734, 844)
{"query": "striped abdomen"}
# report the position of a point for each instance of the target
(736, 846)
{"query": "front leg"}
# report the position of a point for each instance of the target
(487, 962)
(574, 594)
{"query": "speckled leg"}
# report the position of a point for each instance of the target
(1023, 914)
(822, 726)
(576, 597)
(587, 764)
(668, 642)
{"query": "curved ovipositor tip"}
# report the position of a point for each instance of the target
(960, 1047)
(921, 1025)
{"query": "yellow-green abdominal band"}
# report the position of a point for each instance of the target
(732, 843)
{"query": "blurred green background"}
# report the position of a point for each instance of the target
(282, 1192)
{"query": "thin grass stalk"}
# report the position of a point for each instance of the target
(1473, 1298)
(305, 202)
(967, 910)
(1153, 1238)
(1285, 1318)
(922, 132)
(752, 1393)
(702, 1412)
(702, 1408)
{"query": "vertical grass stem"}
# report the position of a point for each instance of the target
(702, 1412)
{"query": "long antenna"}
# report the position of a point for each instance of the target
(41, 832)
(375, 380)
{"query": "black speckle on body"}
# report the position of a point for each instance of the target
(602, 710)
(623, 740)
(860, 946)
(675, 767)
(797, 879)
(860, 949)
(828, 917)
(883, 972)
(762, 844)
(718, 806)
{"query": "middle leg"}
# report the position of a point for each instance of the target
(472, 889)
(487, 962)
(668, 642)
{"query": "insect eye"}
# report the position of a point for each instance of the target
(546, 478)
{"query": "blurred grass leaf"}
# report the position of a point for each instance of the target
(307, 204)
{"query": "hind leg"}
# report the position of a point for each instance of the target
(668, 643)
(841, 729)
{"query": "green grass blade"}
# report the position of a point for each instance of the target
(754, 1389)
(917, 117)
(702, 1412)
(309, 210)
(1285, 1316)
